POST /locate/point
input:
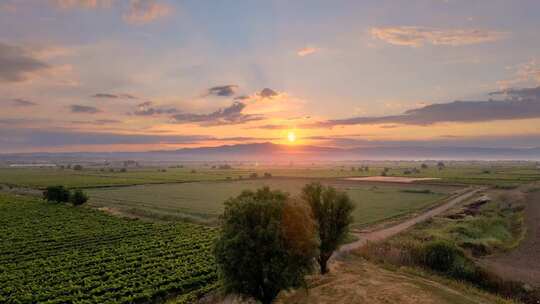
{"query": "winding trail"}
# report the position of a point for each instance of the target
(385, 233)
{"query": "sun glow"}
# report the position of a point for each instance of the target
(291, 137)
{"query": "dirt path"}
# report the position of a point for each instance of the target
(523, 263)
(384, 233)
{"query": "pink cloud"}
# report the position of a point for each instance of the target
(142, 12)
(416, 36)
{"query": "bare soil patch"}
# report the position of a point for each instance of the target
(391, 179)
(357, 281)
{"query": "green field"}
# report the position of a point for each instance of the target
(203, 201)
(482, 173)
(54, 253)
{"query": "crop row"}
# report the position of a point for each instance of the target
(59, 254)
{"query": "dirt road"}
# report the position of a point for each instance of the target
(384, 233)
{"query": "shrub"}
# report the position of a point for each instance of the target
(441, 255)
(57, 194)
(78, 197)
(77, 167)
(267, 175)
(253, 175)
(123, 170)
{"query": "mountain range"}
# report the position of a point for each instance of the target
(274, 152)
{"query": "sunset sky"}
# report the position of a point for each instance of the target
(136, 75)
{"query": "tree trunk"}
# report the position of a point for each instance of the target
(323, 263)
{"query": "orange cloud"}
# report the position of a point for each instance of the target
(307, 51)
(83, 3)
(416, 36)
(142, 12)
(525, 73)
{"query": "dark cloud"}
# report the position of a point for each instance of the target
(457, 111)
(448, 141)
(272, 127)
(18, 102)
(223, 91)
(23, 138)
(267, 93)
(241, 97)
(84, 109)
(98, 122)
(114, 96)
(148, 109)
(525, 93)
(226, 116)
(16, 64)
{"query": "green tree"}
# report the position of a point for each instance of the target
(266, 245)
(78, 197)
(57, 194)
(332, 212)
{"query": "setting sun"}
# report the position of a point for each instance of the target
(291, 137)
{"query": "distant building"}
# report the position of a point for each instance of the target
(32, 165)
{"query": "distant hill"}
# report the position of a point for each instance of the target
(274, 152)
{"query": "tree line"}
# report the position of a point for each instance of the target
(60, 194)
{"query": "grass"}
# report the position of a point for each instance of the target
(496, 228)
(55, 253)
(204, 200)
(493, 227)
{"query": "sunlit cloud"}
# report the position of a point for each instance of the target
(82, 3)
(145, 11)
(416, 36)
(307, 51)
(524, 73)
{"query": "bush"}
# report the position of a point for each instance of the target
(78, 197)
(77, 167)
(57, 194)
(123, 170)
(441, 255)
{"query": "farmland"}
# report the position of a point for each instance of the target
(60, 254)
(481, 173)
(203, 201)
